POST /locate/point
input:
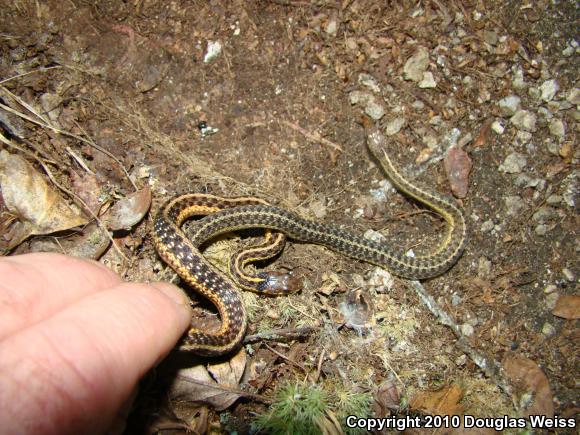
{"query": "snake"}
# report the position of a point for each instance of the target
(220, 215)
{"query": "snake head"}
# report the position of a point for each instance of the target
(279, 283)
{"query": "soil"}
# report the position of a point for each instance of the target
(134, 78)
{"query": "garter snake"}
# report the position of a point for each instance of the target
(223, 215)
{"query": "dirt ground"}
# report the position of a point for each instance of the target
(270, 99)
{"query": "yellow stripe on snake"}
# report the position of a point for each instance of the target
(224, 215)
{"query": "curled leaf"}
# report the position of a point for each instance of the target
(196, 384)
(38, 208)
(534, 392)
(129, 210)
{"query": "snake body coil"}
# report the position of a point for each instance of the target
(181, 252)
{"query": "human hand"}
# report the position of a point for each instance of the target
(74, 341)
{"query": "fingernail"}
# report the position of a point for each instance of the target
(172, 292)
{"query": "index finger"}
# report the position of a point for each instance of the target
(36, 286)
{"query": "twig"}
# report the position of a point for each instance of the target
(314, 137)
(319, 367)
(79, 160)
(489, 366)
(237, 391)
(284, 357)
(29, 72)
(279, 335)
(25, 105)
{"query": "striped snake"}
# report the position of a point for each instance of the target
(224, 215)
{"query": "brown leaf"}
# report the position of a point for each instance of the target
(195, 384)
(441, 402)
(386, 400)
(130, 210)
(483, 136)
(229, 372)
(38, 207)
(535, 394)
(567, 307)
(458, 166)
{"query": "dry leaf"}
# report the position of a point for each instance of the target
(535, 394)
(130, 210)
(386, 399)
(195, 384)
(567, 307)
(39, 208)
(441, 402)
(483, 136)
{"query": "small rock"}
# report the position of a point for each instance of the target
(552, 147)
(574, 96)
(509, 105)
(514, 205)
(461, 360)
(571, 189)
(456, 299)
(541, 230)
(467, 330)
(544, 214)
(394, 126)
(458, 166)
(568, 274)
(428, 81)
(490, 37)
(551, 300)
(416, 65)
(318, 208)
(550, 289)
(483, 267)
(214, 48)
(513, 164)
(554, 200)
(374, 236)
(548, 90)
(524, 120)
(548, 330)
(497, 127)
(523, 137)
(487, 226)
(571, 48)
(524, 180)
(554, 106)
(331, 26)
(359, 97)
(374, 110)
(371, 106)
(381, 279)
(370, 82)
(557, 128)
(534, 93)
(518, 81)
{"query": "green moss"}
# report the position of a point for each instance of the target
(298, 410)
